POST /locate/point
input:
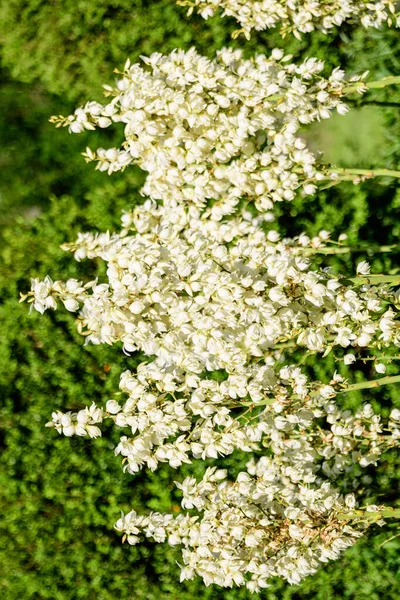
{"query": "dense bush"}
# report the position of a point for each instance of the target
(60, 497)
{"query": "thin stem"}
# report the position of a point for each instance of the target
(348, 249)
(362, 86)
(367, 385)
(381, 83)
(283, 345)
(393, 537)
(255, 404)
(364, 385)
(378, 358)
(381, 357)
(385, 513)
(372, 279)
(365, 173)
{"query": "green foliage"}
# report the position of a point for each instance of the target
(60, 497)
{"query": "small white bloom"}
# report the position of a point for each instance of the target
(363, 268)
(349, 359)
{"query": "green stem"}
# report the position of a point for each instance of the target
(377, 358)
(372, 279)
(371, 85)
(254, 404)
(282, 345)
(348, 249)
(385, 513)
(381, 357)
(364, 385)
(366, 173)
(367, 385)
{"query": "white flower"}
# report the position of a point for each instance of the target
(349, 359)
(350, 500)
(395, 414)
(71, 304)
(363, 268)
(81, 423)
(113, 407)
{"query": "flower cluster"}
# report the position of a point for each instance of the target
(221, 130)
(174, 416)
(298, 16)
(81, 423)
(201, 294)
(264, 524)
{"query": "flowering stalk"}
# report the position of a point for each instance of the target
(264, 524)
(215, 132)
(221, 130)
(175, 416)
(345, 387)
(215, 295)
(361, 86)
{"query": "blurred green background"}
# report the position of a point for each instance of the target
(60, 497)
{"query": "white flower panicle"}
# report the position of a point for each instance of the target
(298, 16)
(206, 295)
(81, 423)
(221, 130)
(262, 525)
(44, 294)
(175, 416)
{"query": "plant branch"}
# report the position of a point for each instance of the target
(384, 513)
(364, 173)
(348, 249)
(367, 385)
(364, 385)
(363, 86)
(372, 279)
